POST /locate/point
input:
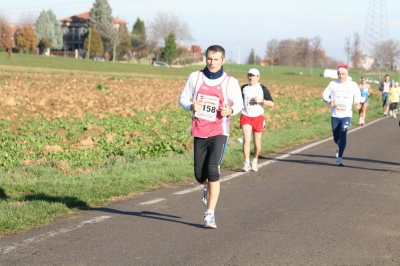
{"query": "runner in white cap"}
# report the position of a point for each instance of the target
(255, 97)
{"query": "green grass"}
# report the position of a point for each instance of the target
(158, 154)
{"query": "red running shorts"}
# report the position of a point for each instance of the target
(257, 123)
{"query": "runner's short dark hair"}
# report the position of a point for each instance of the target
(216, 49)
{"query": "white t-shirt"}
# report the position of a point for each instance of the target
(386, 86)
(345, 94)
(250, 107)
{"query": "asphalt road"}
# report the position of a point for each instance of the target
(299, 209)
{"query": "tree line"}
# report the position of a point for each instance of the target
(308, 52)
(161, 39)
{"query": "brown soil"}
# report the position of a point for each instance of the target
(24, 95)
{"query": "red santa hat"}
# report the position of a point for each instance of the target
(343, 68)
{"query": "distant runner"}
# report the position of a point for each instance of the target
(340, 95)
(385, 87)
(365, 92)
(394, 99)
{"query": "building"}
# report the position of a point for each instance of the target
(74, 27)
(367, 62)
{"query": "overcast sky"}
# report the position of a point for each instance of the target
(239, 26)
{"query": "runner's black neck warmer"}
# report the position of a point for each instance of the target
(215, 75)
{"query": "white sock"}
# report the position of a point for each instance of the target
(247, 160)
(210, 211)
(255, 160)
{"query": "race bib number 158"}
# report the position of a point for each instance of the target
(210, 107)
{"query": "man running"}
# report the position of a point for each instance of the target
(213, 96)
(255, 97)
(385, 87)
(340, 95)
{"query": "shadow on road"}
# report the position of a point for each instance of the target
(315, 162)
(70, 202)
(150, 215)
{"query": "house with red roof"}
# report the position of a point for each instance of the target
(73, 28)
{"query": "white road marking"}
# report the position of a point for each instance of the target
(152, 201)
(40, 238)
(229, 177)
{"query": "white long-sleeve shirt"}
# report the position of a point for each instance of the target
(230, 89)
(345, 94)
(233, 91)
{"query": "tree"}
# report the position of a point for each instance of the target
(317, 55)
(355, 52)
(26, 38)
(252, 57)
(57, 38)
(303, 52)
(125, 39)
(6, 36)
(166, 23)
(27, 19)
(347, 48)
(169, 52)
(93, 45)
(316, 51)
(272, 52)
(139, 39)
(386, 53)
(287, 52)
(49, 28)
(100, 16)
(138, 34)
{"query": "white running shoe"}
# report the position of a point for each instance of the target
(391, 113)
(209, 221)
(337, 152)
(246, 167)
(340, 161)
(254, 166)
(205, 195)
(384, 113)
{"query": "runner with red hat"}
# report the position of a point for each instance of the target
(341, 94)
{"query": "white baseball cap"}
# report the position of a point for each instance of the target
(254, 72)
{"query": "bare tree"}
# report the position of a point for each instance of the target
(347, 48)
(386, 53)
(6, 38)
(27, 19)
(166, 23)
(287, 52)
(303, 51)
(271, 55)
(314, 52)
(356, 53)
(316, 48)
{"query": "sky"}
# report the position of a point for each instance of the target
(239, 26)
